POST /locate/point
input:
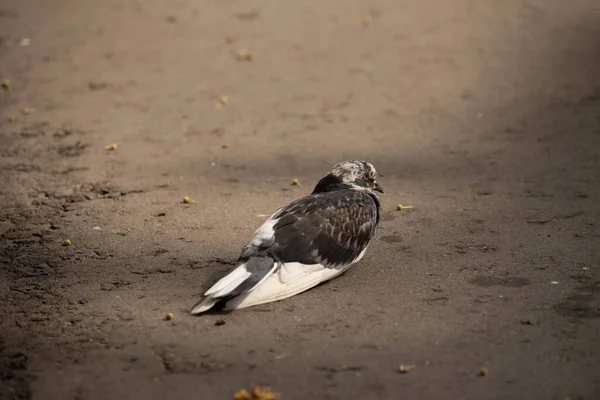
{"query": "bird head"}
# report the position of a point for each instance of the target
(357, 175)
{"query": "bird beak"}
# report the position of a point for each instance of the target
(377, 187)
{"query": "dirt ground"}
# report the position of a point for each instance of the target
(483, 115)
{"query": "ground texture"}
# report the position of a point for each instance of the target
(483, 115)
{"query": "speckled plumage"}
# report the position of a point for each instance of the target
(311, 240)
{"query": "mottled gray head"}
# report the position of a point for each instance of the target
(355, 174)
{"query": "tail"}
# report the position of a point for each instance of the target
(242, 279)
(204, 305)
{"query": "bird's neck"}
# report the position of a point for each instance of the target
(332, 183)
(329, 184)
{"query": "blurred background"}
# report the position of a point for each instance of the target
(482, 115)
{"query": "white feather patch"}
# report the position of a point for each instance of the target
(229, 282)
(265, 233)
(204, 305)
(287, 281)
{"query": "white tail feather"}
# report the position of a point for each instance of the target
(289, 280)
(229, 282)
(204, 305)
(227, 285)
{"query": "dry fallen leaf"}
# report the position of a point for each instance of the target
(403, 207)
(242, 394)
(296, 182)
(263, 393)
(405, 369)
(222, 102)
(27, 110)
(257, 393)
(225, 146)
(244, 55)
(112, 146)
(187, 200)
(366, 20)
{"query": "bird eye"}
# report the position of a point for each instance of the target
(366, 177)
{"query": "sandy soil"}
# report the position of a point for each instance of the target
(483, 115)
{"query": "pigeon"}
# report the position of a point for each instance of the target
(309, 241)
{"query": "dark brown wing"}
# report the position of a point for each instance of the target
(330, 228)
